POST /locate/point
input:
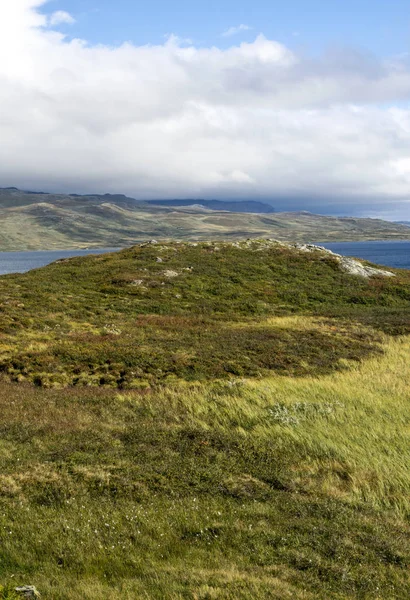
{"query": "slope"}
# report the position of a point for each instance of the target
(33, 221)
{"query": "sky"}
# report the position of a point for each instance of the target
(375, 25)
(303, 104)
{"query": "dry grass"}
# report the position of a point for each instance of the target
(276, 488)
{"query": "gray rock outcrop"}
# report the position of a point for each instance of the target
(28, 591)
(349, 265)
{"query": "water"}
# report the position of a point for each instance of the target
(20, 262)
(389, 254)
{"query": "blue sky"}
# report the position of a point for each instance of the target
(378, 26)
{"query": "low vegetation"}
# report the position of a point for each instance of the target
(159, 312)
(209, 421)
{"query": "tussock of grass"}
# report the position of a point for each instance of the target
(8, 593)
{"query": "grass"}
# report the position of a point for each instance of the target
(279, 488)
(156, 313)
(291, 482)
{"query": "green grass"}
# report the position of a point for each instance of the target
(280, 475)
(127, 320)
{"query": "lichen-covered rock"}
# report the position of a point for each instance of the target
(28, 591)
(171, 274)
(349, 265)
(354, 267)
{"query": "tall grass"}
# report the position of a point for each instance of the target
(282, 487)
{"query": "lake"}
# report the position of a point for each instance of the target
(20, 262)
(390, 254)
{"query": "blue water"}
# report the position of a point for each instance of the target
(20, 262)
(390, 254)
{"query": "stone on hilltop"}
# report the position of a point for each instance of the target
(349, 265)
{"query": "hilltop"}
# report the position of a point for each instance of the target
(39, 221)
(212, 420)
(192, 311)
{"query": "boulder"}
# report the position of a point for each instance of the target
(28, 591)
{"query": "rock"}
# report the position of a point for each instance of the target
(349, 265)
(111, 330)
(28, 591)
(354, 267)
(171, 274)
(159, 260)
(145, 244)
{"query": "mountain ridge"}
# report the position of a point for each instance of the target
(48, 221)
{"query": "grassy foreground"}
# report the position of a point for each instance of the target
(195, 482)
(279, 488)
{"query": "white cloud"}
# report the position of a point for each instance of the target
(61, 17)
(235, 30)
(253, 120)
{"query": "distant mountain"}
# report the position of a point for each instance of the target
(407, 223)
(37, 220)
(244, 206)
(13, 197)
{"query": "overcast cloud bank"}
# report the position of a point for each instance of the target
(253, 121)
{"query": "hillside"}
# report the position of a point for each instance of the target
(36, 221)
(208, 421)
(247, 206)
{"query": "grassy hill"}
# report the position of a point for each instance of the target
(206, 421)
(36, 221)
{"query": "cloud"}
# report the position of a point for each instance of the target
(235, 30)
(61, 17)
(254, 121)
